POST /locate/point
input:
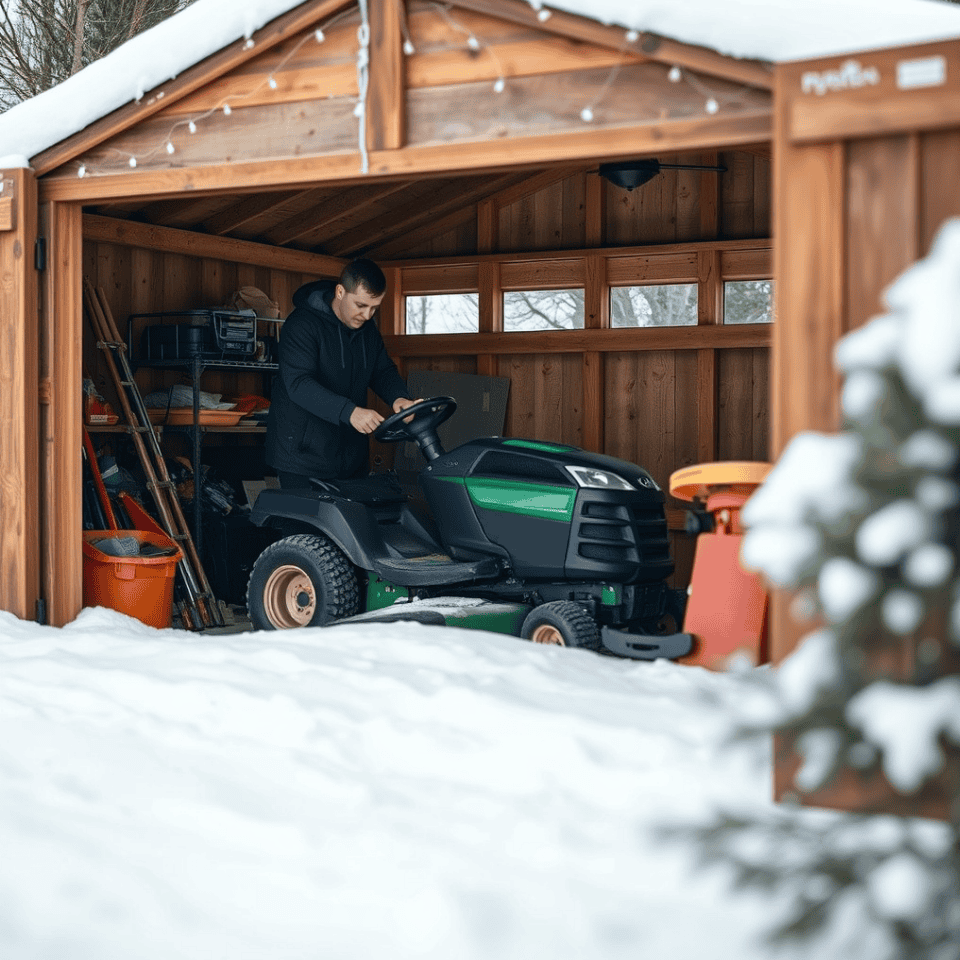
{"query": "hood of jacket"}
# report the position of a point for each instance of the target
(317, 297)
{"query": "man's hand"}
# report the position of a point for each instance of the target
(401, 403)
(365, 420)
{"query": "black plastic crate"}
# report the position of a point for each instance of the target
(208, 334)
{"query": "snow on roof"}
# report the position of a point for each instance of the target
(775, 30)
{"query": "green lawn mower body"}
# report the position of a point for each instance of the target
(541, 540)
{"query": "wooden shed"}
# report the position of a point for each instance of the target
(472, 168)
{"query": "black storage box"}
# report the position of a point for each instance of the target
(208, 334)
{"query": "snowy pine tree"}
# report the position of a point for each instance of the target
(862, 527)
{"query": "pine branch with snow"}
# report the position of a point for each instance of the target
(862, 527)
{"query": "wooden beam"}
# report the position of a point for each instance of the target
(62, 413)
(172, 240)
(593, 401)
(385, 107)
(300, 18)
(249, 208)
(589, 146)
(756, 73)
(443, 200)
(19, 409)
(348, 205)
(531, 185)
(413, 237)
(488, 226)
(623, 340)
(595, 212)
(686, 251)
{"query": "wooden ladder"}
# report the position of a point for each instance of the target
(199, 609)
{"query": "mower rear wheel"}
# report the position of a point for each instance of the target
(563, 623)
(301, 581)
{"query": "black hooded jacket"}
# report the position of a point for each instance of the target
(325, 371)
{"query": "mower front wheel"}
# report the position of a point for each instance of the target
(301, 581)
(563, 623)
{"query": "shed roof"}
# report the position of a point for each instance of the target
(771, 30)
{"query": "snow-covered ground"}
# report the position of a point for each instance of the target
(359, 791)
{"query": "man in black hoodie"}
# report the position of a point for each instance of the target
(330, 354)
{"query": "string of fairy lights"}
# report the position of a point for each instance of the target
(191, 125)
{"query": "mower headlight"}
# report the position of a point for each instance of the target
(599, 479)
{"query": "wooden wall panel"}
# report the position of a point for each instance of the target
(545, 400)
(745, 196)
(881, 202)
(744, 425)
(19, 409)
(939, 165)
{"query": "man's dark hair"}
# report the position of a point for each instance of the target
(363, 273)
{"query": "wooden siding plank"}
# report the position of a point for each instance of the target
(229, 58)
(940, 164)
(452, 278)
(752, 72)
(651, 268)
(641, 339)
(20, 331)
(542, 275)
(746, 264)
(169, 239)
(593, 401)
(625, 141)
(882, 201)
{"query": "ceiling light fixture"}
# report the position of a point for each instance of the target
(629, 174)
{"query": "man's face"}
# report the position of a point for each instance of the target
(355, 309)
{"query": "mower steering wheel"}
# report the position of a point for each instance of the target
(427, 416)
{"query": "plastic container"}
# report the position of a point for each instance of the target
(140, 587)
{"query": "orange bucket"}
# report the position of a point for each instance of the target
(140, 587)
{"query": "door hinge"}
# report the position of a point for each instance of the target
(40, 253)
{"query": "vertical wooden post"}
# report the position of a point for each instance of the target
(19, 412)
(61, 342)
(386, 113)
(596, 309)
(491, 296)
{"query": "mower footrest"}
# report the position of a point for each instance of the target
(434, 570)
(639, 646)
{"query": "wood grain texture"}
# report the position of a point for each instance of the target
(167, 239)
(20, 505)
(60, 459)
(191, 80)
(521, 151)
(882, 200)
(385, 108)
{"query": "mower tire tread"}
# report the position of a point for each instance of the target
(568, 618)
(331, 573)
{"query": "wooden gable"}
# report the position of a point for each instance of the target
(464, 88)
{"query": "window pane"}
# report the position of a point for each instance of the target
(543, 310)
(659, 305)
(444, 313)
(748, 301)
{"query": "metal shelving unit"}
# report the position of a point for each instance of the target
(196, 366)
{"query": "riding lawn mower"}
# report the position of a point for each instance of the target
(540, 540)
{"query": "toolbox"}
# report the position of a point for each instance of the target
(188, 334)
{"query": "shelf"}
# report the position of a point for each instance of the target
(121, 428)
(207, 364)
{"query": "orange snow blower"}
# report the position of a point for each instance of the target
(727, 606)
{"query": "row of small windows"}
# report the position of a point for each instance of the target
(659, 305)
